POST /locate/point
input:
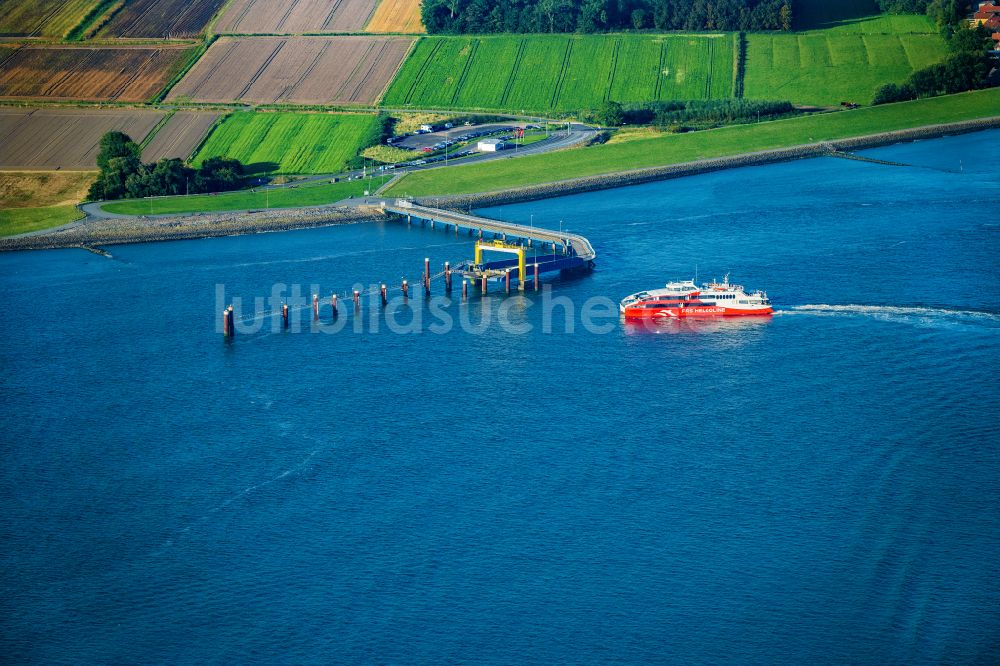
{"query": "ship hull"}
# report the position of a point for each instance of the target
(671, 313)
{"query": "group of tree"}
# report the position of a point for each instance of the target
(967, 67)
(123, 175)
(587, 16)
(682, 114)
(944, 12)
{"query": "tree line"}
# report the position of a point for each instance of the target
(123, 175)
(680, 115)
(589, 16)
(943, 12)
(966, 68)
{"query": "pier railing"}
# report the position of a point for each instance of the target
(579, 245)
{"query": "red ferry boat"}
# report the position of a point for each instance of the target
(687, 299)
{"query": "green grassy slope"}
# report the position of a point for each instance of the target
(290, 142)
(314, 194)
(15, 221)
(678, 148)
(561, 72)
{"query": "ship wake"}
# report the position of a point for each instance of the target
(917, 316)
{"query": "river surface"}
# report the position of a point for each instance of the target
(822, 486)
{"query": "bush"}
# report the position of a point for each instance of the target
(611, 114)
(891, 92)
(600, 138)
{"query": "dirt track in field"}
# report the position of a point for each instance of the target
(64, 138)
(291, 17)
(301, 70)
(106, 73)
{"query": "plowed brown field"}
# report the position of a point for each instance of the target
(161, 18)
(397, 16)
(127, 74)
(180, 136)
(290, 17)
(301, 70)
(64, 138)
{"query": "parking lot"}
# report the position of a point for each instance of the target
(457, 134)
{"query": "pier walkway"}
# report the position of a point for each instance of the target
(577, 245)
(552, 250)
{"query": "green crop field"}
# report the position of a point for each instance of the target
(851, 51)
(679, 148)
(42, 18)
(828, 67)
(562, 72)
(291, 142)
(310, 194)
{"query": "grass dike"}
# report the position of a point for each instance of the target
(674, 149)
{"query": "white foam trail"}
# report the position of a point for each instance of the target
(892, 309)
(249, 489)
(180, 533)
(911, 315)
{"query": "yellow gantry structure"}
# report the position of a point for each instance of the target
(508, 248)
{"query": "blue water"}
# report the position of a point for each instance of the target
(818, 487)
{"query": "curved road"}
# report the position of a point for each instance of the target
(576, 135)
